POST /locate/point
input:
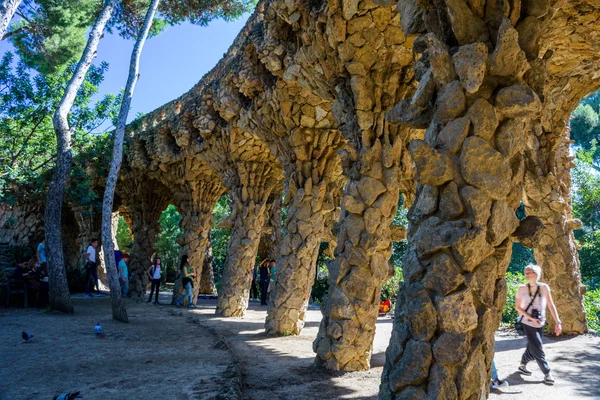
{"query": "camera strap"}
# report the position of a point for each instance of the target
(534, 296)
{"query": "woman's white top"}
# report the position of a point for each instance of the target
(540, 303)
(92, 252)
(156, 271)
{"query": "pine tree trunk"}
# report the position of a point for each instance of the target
(7, 10)
(118, 307)
(59, 289)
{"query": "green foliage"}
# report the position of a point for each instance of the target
(219, 238)
(589, 257)
(391, 287)
(586, 206)
(585, 124)
(586, 199)
(129, 14)
(521, 256)
(13, 255)
(321, 285)
(124, 236)
(513, 281)
(167, 246)
(51, 34)
(28, 148)
(591, 302)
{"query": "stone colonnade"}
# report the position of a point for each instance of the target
(306, 89)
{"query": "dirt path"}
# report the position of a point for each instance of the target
(280, 368)
(66, 355)
(157, 355)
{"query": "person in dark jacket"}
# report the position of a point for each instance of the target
(264, 281)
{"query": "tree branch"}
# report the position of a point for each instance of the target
(8, 35)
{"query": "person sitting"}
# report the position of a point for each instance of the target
(26, 273)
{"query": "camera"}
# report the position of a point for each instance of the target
(536, 314)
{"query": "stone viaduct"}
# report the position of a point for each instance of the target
(460, 105)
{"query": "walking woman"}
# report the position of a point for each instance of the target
(531, 302)
(187, 278)
(154, 273)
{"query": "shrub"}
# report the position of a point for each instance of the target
(591, 302)
(513, 281)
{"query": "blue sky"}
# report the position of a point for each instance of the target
(171, 63)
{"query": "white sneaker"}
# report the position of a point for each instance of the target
(498, 384)
(549, 379)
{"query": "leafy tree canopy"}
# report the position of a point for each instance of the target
(27, 103)
(50, 34)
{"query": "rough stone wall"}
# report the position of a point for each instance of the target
(486, 71)
(21, 225)
(483, 88)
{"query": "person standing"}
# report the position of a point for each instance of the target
(264, 281)
(272, 276)
(187, 279)
(254, 286)
(40, 253)
(531, 302)
(124, 274)
(91, 268)
(154, 273)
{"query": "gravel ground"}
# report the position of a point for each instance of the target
(161, 355)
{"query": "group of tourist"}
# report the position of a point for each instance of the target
(532, 299)
(33, 274)
(154, 273)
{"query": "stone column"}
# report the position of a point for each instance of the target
(470, 171)
(207, 279)
(144, 217)
(196, 204)
(312, 188)
(548, 197)
(249, 202)
(270, 241)
(370, 202)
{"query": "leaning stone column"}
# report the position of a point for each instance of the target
(312, 186)
(207, 279)
(270, 241)
(197, 202)
(144, 227)
(470, 170)
(249, 200)
(548, 197)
